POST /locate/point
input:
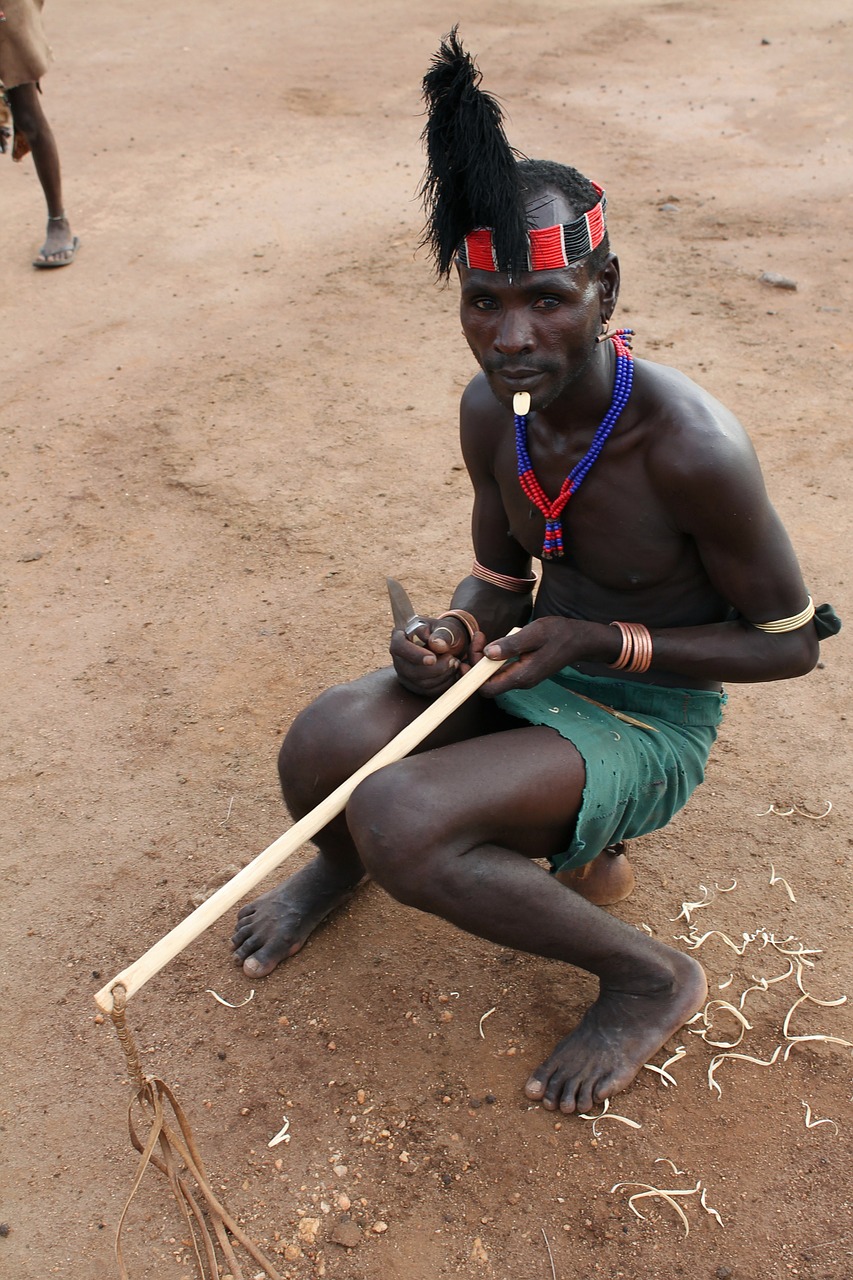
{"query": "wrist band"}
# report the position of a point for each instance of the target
(502, 579)
(636, 654)
(788, 624)
(468, 620)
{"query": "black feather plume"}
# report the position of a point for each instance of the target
(472, 175)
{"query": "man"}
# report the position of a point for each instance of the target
(598, 729)
(24, 58)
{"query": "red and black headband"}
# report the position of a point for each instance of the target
(549, 248)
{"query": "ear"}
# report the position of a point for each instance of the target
(608, 286)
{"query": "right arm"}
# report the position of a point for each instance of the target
(430, 671)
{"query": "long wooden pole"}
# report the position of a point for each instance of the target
(158, 956)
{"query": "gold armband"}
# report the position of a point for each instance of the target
(788, 624)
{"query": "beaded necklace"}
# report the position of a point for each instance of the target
(552, 548)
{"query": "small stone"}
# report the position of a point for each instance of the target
(478, 1253)
(379, 1227)
(292, 1252)
(491, 1099)
(307, 1230)
(361, 1097)
(446, 1015)
(343, 1202)
(724, 1273)
(99, 1017)
(776, 281)
(245, 1111)
(346, 1234)
(331, 1046)
(340, 1170)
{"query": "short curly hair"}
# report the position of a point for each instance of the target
(540, 175)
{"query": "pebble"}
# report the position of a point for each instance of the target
(724, 1273)
(346, 1234)
(340, 1170)
(776, 281)
(379, 1227)
(669, 208)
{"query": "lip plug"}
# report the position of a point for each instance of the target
(521, 404)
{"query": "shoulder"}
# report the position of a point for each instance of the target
(699, 457)
(688, 432)
(478, 405)
(483, 422)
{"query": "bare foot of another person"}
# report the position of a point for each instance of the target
(59, 247)
(607, 879)
(277, 925)
(621, 1032)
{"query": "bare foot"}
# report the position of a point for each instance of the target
(607, 879)
(59, 247)
(616, 1037)
(277, 925)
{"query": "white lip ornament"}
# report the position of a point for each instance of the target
(521, 404)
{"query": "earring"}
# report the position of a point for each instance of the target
(604, 335)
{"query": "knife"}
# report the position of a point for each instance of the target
(404, 613)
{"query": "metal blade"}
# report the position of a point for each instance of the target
(403, 610)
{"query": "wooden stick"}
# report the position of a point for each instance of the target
(158, 956)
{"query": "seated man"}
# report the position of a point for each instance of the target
(665, 571)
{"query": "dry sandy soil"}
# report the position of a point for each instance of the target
(223, 426)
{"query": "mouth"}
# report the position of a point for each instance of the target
(517, 377)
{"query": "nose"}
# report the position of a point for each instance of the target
(514, 332)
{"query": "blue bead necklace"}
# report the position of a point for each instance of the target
(552, 548)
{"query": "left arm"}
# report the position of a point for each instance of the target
(715, 494)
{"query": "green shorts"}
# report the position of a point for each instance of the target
(636, 780)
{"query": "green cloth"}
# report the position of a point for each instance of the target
(635, 780)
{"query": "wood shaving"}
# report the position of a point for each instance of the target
(729, 1008)
(227, 1003)
(550, 1254)
(774, 879)
(728, 889)
(657, 1193)
(666, 1160)
(744, 1057)
(487, 1014)
(604, 1115)
(687, 907)
(813, 1124)
(282, 1135)
(721, 986)
(800, 810)
(708, 1208)
(825, 1004)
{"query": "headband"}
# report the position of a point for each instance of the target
(549, 248)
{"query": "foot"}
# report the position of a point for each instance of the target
(621, 1032)
(278, 924)
(607, 879)
(59, 247)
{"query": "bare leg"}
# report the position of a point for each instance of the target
(453, 833)
(325, 745)
(60, 246)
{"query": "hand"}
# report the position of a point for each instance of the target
(537, 651)
(433, 665)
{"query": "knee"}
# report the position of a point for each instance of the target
(327, 742)
(397, 847)
(26, 113)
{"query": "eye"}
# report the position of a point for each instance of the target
(547, 302)
(484, 304)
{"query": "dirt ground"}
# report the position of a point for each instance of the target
(224, 425)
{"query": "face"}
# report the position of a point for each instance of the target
(537, 334)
